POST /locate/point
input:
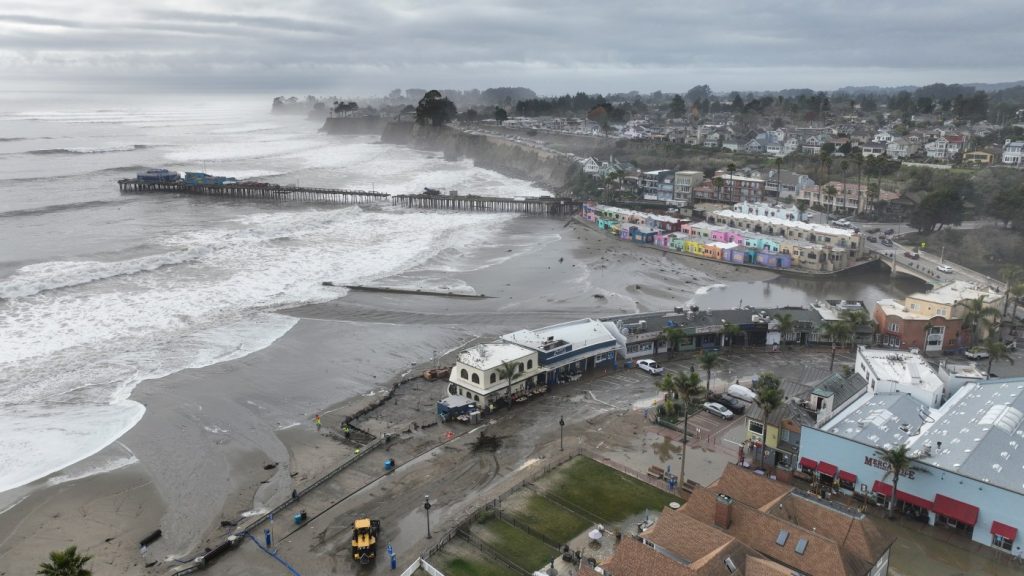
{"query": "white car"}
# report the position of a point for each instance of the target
(718, 410)
(650, 366)
(944, 268)
(977, 354)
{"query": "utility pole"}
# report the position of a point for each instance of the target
(426, 506)
(561, 435)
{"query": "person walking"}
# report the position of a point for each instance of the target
(317, 421)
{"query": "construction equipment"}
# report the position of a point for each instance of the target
(364, 540)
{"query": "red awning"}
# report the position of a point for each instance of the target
(1008, 532)
(956, 510)
(827, 469)
(847, 476)
(808, 463)
(882, 488)
(915, 500)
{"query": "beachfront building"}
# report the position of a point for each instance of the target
(832, 311)
(840, 247)
(657, 185)
(969, 476)
(684, 184)
(567, 351)
(786, 184)
(480, 373)
(732, 189)
(931, 321)
(784, 211)
(749, 524)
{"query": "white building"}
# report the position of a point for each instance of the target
(685, 182)
(1013, 153)
(478, 372)
(969, 469)
(568, 349)
(784, 211)
(899, 372)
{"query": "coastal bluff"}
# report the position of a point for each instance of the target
(507, 157)
(353, 126)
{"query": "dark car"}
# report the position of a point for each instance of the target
(734, 405)
(886, 242)
(872, 239)
(890, 232)
(912, 255)
(873, 230)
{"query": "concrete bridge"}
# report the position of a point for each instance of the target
(926, 267)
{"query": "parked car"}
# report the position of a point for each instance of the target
(734, 405)
(912, 255)
(873, 230)
(886, 242)
(872, 239)
(944, 268)
(650, 366)
(741, 392)
(977, 353)
(890, 232)
(718, 410)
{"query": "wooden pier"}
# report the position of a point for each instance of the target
(255, 191)
(469, 203)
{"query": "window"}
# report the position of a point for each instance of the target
(1000, 542)
(894, 327)
(494, 377)
(755, 427)
(529, 364)
(475, 378)
(464, 374)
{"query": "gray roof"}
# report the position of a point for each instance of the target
(658, 321)
(982, 432)
(882, 421)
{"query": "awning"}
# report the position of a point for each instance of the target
(956, 510)
(826, 469)
(847, 476)
(882, 488)
(808, 463)
(1008, 532)
(914, 500)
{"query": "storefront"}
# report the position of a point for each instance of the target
(955, 514)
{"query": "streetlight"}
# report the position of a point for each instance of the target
(426, 506)
(561, 435)
(832, 363)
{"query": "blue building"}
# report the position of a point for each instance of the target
(969, 475)
(565, 351)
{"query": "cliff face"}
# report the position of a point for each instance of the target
(503, 156)
(353, 125)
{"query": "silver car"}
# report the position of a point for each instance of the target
(718, 410)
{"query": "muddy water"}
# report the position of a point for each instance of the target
(866, 286)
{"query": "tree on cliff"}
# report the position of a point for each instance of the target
(435, 109)
(344, 108)
(500, 115)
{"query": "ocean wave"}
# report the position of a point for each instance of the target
(36, 278)
(90, 149)
(42, 210)
(69, 476)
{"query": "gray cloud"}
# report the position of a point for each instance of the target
(362, 47)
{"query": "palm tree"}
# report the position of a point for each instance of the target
(900, 462)
(977, 313)
(801, 207)
(769, 398)
(668, 386)
(830, 192)
(837, 333)
(507, 371)
(855, 319)
(731, 332)
(687, 387)
(67, 562)
(709, 361)
(731, 169)
(719, 182)
(843, 167)
(996, 351)
(786, 325)
(1012, 275)
(675, 336)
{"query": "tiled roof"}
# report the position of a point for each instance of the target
(634, 558)
(762, 567)
(751, 489)
(685, 537)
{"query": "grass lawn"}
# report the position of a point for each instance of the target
(551, 520)
(469, 566)
(605, 492)
(516, 545)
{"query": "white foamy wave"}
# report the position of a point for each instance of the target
(110, 466)
(705, 289)
(36, 278)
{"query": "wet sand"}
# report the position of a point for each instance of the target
(235, 437)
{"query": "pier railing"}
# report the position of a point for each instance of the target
(256, 191)
(470, 203)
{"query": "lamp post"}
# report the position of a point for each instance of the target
(426, 506)
(561, 435)
(832, 363)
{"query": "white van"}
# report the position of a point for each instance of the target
(742, 393)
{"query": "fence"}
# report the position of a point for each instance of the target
(492, 553)
(659, 484)
(511, 519)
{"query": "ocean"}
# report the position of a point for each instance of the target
(100, 291)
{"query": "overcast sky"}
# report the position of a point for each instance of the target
(367, 47)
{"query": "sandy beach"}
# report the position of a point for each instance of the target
(237, 437)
